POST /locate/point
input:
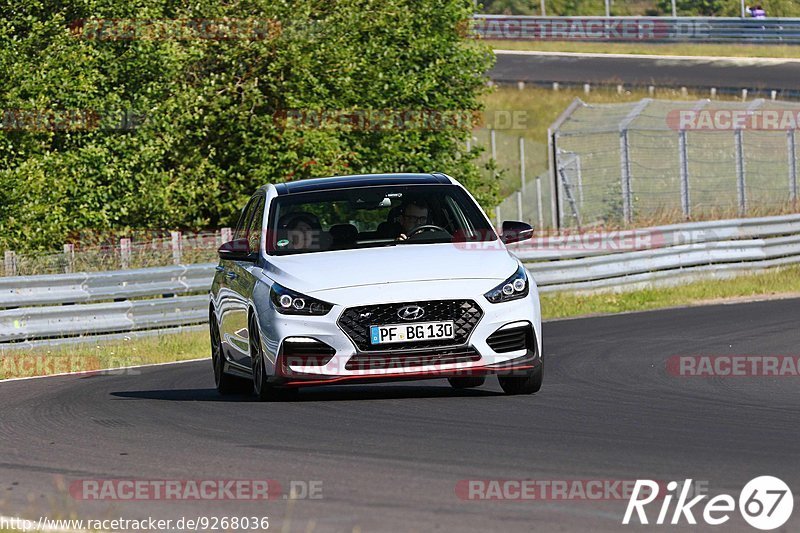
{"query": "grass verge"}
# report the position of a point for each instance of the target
(533, 110)
(770, 283)
(195, 344)
(672, 49)
(88, 357)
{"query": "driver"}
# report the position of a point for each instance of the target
(413, 214)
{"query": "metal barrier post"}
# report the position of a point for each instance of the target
(625, 160)
(792, 149)
(522, 163)
(539, 202)
(684, 172)
(625, 176)
(740, 171)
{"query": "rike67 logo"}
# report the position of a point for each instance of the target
(765, 503)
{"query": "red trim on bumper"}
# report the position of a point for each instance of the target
(480, 370)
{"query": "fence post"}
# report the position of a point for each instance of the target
(69, 258)
(497, 221)
(10, 261)
(125, 253)
(519, 205)
(625, 175)
(176, 247)
(684, 173)
(740, 172)
(579, 176)
(522, 163)
(226, 234)
(539, 202)
(792, 149)
(625, 160)
(493, 146)
(552, 159)
(552, 163)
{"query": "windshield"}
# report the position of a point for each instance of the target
(374, 216)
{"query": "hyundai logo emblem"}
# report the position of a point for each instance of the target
(410, 312)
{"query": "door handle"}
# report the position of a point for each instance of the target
(232, 275)
(219, 268)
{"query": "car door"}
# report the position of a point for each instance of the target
(241, 279)
(229, 300)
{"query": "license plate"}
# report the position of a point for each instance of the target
(421, 331)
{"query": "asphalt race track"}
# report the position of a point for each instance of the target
(743, 73)
(390, 456)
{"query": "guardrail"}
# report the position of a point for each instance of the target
(638, 29)
(71, 305)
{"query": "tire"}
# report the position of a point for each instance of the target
(467, 382)
(225, 383)
(264, 391)
(523, 384)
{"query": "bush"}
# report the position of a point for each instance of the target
(181, 131)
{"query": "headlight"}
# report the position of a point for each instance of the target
(513, 288)
(291, 302)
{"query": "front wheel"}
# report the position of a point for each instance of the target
(263, 389)
(523, 384)
(225, 383)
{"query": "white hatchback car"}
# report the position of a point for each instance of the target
(372, 277)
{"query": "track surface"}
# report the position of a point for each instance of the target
(389, 456)
(700, 73)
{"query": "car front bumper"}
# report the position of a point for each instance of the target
(473, 357)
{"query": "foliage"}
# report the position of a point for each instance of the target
(182, 130)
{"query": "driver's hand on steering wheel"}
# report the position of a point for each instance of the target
(402, 237)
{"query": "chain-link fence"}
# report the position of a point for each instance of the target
(524, 183)
(662, 161)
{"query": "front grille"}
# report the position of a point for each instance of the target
(404, 360)
(511, 339)
(355, 322)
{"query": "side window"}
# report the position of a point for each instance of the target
(255, 225)
(244, 219)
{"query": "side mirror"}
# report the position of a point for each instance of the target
(236, 250)
(514, 231)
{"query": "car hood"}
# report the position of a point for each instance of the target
(402, 263)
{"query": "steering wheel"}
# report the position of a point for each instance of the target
(426, 227)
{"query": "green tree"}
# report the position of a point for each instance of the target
(190, 127)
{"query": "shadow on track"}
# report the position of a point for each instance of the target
(316, 394)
